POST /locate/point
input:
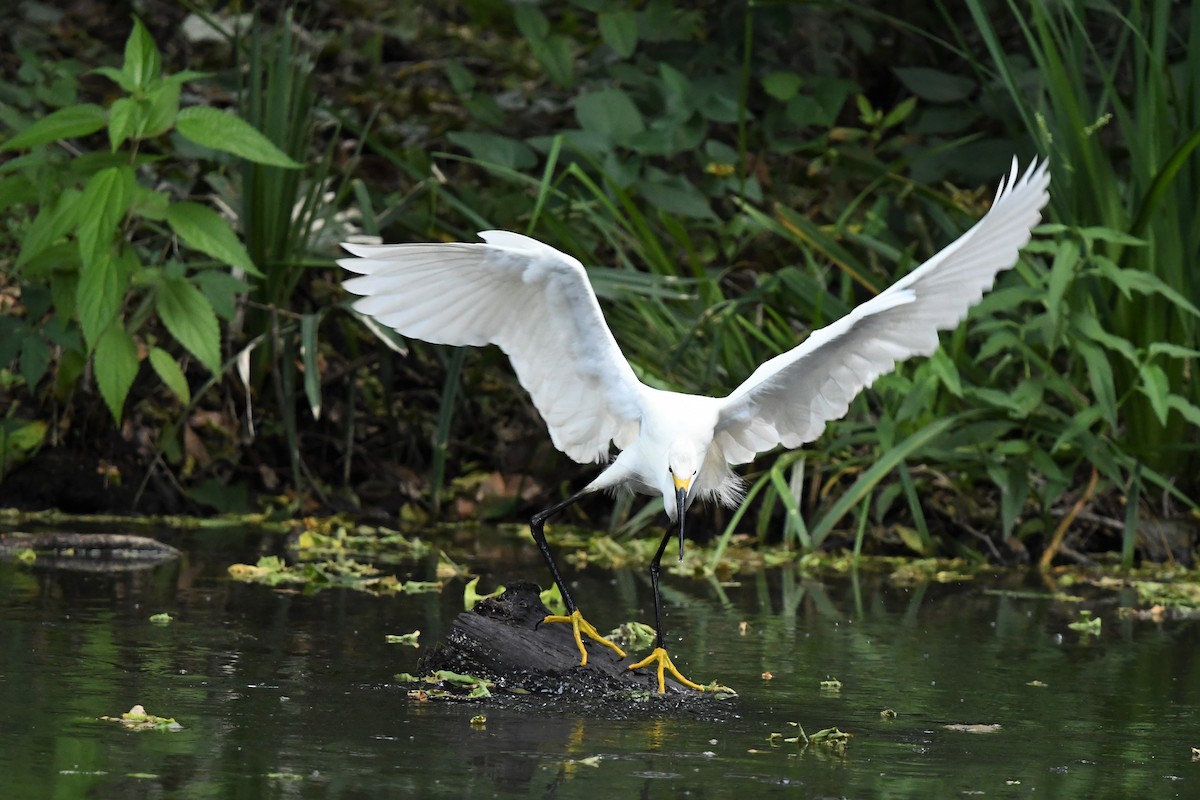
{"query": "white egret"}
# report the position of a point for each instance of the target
(537, 305)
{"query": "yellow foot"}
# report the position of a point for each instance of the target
(579, 625)
(664, 663)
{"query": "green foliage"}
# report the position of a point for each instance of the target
(90, 239)
(1121, 121)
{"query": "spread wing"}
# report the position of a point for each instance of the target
(534, 302)
(789, 399)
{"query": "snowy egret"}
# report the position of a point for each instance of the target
(537, 305)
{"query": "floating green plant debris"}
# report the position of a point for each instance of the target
(831, 685)
(887, 713)
(832, 738)
(478, 721)
(471, 594)
(409, 639)
(343, 572)
(1086, 624)
(161, 619)
(1037, 684)
(136, 719)
(332, 537)
(633, 636)
(447, 686)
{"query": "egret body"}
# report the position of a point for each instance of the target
(536, 303)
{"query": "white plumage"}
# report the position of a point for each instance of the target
(537, 305)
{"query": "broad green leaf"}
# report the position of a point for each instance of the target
(170, 373)
(143, 64)
(1157, 388)
(1100, 376)
(934, 85)
(1062, 272)
(203, 229)
(619, 31)
(106, 198)
(116, 76)
(221, 289)
(554, 54)
(531, 22)
(51, 224)
(1143, 282)
(148, 203)
(77, 120)
(124, 118)
(115, 365)
(676, 196)
(162, 108)
(492, 148)
(609, 112)
(99, 296)
(35, 358)
(782, 85)
(190, 318)
(16, 189)
(230, 134)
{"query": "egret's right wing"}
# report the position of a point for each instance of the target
(789, 399)
(534, 302)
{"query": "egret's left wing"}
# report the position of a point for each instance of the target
(532, 301)
(789, 399)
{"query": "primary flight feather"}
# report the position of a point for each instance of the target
(537, 305)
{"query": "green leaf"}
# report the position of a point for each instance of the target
(203, 229)
(676, 195)
(77, 120)
(609, 112)
(531, 22)
(170, 373)
(1100, 376)
(554, 54)
(782, 85)
(106, 198)
(123, 121)
(619, 31)
(35, 358)
(191, 320)
(162, 109)
(221, 289)
(1157, 387)
(934, 85)
(312, 371)
(218, 130)
(492, 148)
(143, 64)
(51, 224)
(148, 203)
(1186, 408)
(115, 364)
(99, 296)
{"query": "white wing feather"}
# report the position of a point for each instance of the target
(789, 399)
(534, 302)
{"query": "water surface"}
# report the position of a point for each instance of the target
(288, 695)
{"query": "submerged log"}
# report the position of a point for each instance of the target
(88, 552)
(503, 641)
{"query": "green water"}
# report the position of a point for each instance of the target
(292, 696)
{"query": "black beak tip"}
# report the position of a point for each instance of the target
(680, 510)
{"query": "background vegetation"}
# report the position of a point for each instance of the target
(172, 334)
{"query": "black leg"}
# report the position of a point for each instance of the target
(655, 567)
(536, 525)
